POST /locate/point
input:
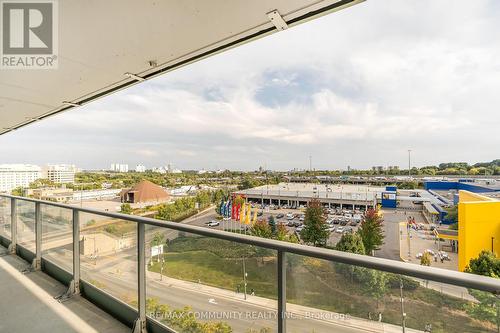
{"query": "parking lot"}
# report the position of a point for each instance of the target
(339, 221)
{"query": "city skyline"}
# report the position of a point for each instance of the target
(311, 90)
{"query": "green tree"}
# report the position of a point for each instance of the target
(18, 191)
(425, 260)
(272, 224)
(261, 229)
(282, 234)
(487, 263)
(452, 214)
(126, 208)
(371, 231)
(315, 230)
(352, 243)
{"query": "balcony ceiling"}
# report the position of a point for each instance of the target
(100, 41)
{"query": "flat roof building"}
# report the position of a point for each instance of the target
(17, 175)
(59, 173)
(295, 194)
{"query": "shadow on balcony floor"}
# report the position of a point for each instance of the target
(27, 304)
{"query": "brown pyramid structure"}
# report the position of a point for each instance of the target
(144, 191)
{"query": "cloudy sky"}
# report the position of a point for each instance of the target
(355, 88)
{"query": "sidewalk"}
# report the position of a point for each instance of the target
(300, 311)
(418, 244)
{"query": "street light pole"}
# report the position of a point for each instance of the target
(403, 314)
(244, 279)
(409, 162)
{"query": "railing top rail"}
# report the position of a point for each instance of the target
(392, 266)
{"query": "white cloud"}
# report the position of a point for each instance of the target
(361, 85)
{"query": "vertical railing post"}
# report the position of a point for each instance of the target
(76, 252)
(37, 262)
(140, 323)
(281, 291)
(74, 285)
(13, 226)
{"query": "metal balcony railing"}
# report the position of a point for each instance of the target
(282, 248)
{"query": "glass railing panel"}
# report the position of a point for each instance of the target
(108, 255)
(26, 224)
(328, 297)
(57, 236)
(5, 224)
(197, 284)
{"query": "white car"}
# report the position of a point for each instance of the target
(340, 229)
(331, 229)
(299, 228)
(213, 224)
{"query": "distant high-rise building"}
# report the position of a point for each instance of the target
(116, 167)
(59, 173)
(160, 170)
(17, 175)
(378, 168)
(393, 168)
(140, 168)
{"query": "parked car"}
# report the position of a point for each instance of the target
(331, 229)
(299, 228)
(280, 216)
(340, 230)
(290, 223)
(213, 224)
(297, 223)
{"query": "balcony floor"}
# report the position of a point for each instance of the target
(27, 304)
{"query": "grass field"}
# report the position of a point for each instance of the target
(311, 282)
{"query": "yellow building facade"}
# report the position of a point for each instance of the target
(478, 226)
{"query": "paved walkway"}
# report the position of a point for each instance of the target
(27, 304)
(294, 311)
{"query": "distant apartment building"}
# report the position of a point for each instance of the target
(378, 168)
(393, 168)
(59, 173)
(161, 170)
(116, 167)
(17, 175)
(140, 168)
